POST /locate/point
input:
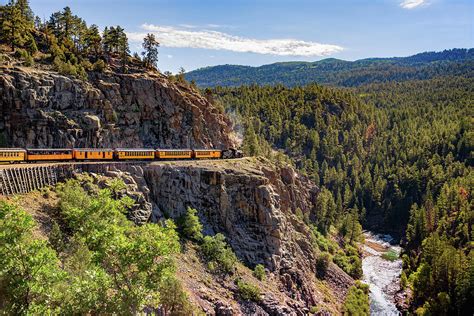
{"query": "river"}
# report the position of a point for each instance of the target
(380, 274)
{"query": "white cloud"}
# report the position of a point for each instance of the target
(169, 56)
(188, 26)
(169, 36)
(411, 4)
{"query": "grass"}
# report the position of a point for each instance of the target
(390, 255)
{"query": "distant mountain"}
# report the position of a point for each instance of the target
(338, 72)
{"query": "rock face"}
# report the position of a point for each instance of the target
(110, 110)
(253, 204)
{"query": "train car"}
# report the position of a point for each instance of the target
(207, 153)
(52, 154)
(134, 154)
(12, 155)
(174, 154)
(93, 154)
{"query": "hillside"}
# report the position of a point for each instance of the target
(84, 219)
(339, 72)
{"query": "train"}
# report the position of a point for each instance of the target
(30, 155)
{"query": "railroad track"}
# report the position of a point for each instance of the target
(110, 162)
(20, 178)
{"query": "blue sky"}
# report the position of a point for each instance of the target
(199, 33)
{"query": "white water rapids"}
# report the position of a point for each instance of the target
(380, 274)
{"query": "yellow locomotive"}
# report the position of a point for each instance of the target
(15, 155)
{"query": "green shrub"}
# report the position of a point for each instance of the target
(323, 243)
(109, 265)
(64, 68)
(357, 300)
(86, 64)
(259, 272)
(352, 264)
(134, 259)
(31, 45)
(403, 280)
(299, 214)
(314, 309)
(81, 72)
(390, 255)
(29, 268)
(191, 226)
(56, 238)
(247, 291)
(322, 264)
(99, 66)
(25, 56)
(117, 187)
(173, 298)
(217, 252)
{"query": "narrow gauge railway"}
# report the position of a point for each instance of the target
(29, 155)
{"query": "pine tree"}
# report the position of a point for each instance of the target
(93, 42)
(15, 23)
(250, 143)
(150, 55)
(123, 48)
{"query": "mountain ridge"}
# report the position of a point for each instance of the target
(338, 72)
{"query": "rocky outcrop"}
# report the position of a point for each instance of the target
(253, 203)
(109, 110)
(134, 186)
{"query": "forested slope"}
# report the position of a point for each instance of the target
(397, 156)
(337, 72)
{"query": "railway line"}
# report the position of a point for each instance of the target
(6, 165)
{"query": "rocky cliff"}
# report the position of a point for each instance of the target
(44, 109)
(253, 203)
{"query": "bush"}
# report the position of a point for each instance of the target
(313, 310)
(173, 298)
(322, 242)
(56, 238)
(134, 259)
(99, 66)
(248, 292)
(109, 265)
(86, 64)
(29, 269)
(64, 68)
(81, 72)
(299, 214)
(352, 264)
(403, 280)
(191, 226)
(390, 255)
(357, 300)
(322, 264)
(25, 56)
(218, 254)
(31, 45)
(259, 272)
